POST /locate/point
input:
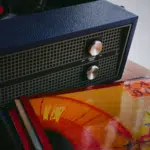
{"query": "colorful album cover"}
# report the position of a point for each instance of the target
(105, 117)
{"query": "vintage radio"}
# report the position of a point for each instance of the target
(64, 48)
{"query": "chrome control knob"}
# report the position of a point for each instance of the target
(95, 48)
(92, 72)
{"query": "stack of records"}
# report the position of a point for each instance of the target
(12, 135)
(105, 117)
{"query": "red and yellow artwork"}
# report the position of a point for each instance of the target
(108, 118)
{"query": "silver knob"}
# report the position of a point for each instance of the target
(92, 72)
(96, 48)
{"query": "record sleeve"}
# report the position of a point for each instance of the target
(8, 135)
(45, 143)
(107, 117)
(27, 124)
(24, 141)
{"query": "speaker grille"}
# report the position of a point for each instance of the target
(64, 79)
(50, 56)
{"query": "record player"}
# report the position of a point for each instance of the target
(49, 46)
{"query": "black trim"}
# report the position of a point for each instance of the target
(127, 48)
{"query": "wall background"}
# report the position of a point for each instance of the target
(140, 48)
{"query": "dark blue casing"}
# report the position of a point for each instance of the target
(29, 31)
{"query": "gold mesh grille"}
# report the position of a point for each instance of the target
(65, 79)
(53, 55)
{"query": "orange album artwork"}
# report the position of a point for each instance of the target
(112, 117)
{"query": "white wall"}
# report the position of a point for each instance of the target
(140, 48)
